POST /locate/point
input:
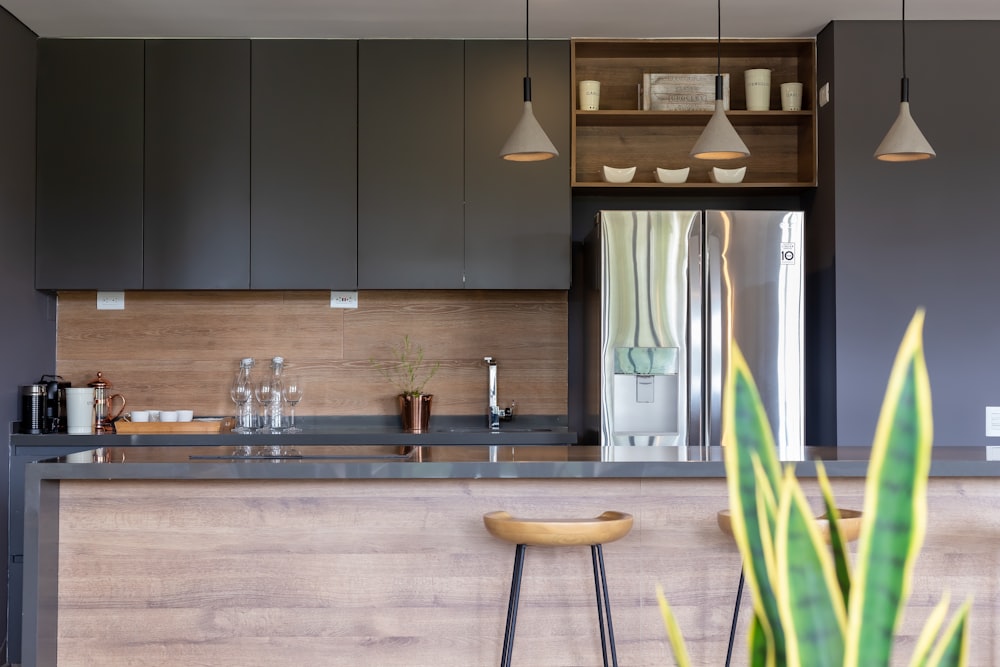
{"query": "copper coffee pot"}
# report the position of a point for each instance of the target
(104, 404)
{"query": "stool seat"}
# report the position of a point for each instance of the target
(607, 527)
(850, 524)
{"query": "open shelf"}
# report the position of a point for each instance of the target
(782, 143)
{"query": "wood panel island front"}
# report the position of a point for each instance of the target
(373, 556)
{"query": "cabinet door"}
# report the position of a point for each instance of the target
(89, 173)
(197, 167)
(304, 217)
(410, 172)
(518, 214)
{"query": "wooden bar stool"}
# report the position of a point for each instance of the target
(595, 532)
(850, 525)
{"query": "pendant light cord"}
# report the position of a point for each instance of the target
(718, 40)
(903, 30)
(527, 33)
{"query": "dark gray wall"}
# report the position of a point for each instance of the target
(27, 334)
(914, 234)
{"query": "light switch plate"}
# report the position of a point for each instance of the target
(343, 299)
(111, 301)
(824, 95)
(992, 421)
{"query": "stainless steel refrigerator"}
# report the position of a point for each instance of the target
(668, 295)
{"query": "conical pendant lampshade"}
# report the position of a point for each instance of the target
(904, 142)
(719, 140)
(528, 142)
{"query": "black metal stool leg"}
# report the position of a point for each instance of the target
(515, 595)
(601, 584)
(736, 616)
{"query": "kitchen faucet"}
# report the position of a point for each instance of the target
(494, 413)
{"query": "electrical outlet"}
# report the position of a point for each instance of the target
(111, 301)
(992, 422)
(343, 299)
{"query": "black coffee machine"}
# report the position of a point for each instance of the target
(43, 406)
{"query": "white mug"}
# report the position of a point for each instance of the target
(758, 89)
(139, 415)
(791, 96)
(79, 410)
(185, 415)
(590, 95)
(168, 415)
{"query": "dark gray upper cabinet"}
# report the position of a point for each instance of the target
(410, 164)
(518, 215)
(197, 165)
(304, 152)
(88, 232)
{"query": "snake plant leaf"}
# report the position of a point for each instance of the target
(746, 433)
(895, 506)
(838, 546)
(809, 599)
(759, 647)
(953, 648)
(925, 642)
(674, 633)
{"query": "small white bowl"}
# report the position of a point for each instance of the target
(613, 175)
(719, 175)
(139, 415)
(168, 415)
(672, 175)
(185, 415)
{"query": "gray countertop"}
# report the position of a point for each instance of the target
(465, 462)
(528, 430)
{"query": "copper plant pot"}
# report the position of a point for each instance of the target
(415, 412)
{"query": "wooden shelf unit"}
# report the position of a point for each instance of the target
(782, 143)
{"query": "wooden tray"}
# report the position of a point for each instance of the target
(198, 426)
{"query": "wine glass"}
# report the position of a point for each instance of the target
(264, 397)
(242, 393)
(292, 394)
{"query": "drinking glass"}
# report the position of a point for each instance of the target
(242, 393)
(292, 394)
(264, 397)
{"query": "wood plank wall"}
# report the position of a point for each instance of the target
(181, 350)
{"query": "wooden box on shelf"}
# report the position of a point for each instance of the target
(782, 143)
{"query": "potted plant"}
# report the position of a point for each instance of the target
(409, 373)
(810, 609)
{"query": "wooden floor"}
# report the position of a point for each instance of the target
(402, 572)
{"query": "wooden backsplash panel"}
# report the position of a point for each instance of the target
(174, 350)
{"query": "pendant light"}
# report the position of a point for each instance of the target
(528, 142)
(719, 140)
(904, 141)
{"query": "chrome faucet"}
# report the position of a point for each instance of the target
(493, 411)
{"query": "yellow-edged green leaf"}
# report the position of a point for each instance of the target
(809, 600)
(673, 630)
(953, 648)
(838, 546)
(895, 506)
(925, 642)
(761, 654)
(746, 433)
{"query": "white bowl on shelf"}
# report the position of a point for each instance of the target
(615, 175)
(672, 175)
(720, 175)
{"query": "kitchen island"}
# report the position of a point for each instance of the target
(377, 556)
